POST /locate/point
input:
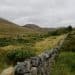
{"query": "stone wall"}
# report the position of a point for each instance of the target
(39, 65)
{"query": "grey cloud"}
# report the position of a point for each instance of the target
(50, 13)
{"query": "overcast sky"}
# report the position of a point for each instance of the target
(48, 13)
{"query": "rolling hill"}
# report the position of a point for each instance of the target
(38, 28)
(8, 28)
(32, 26)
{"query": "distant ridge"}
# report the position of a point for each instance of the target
(31, 26)
(36, 27)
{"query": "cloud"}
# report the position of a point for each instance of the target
(50, 13)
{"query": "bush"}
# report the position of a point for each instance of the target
(53, 33)
(14, 56)
(69, 43)
(4, 42)
(69, 28)
(60, 31)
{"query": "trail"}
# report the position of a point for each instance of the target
(8, 71)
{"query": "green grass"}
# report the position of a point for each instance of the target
(69, 44)
(25, 49)
(65, 64)
(48, 43)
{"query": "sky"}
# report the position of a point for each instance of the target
(45, 13)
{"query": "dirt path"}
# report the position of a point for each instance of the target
(8, 71)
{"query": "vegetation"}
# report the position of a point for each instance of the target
(69, 28)
(48, 43)
(69, 44)
(19, 43)
(19, 55)
(60, 31)
(65, 64)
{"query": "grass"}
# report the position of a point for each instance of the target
(14, 37)
(69, 44)
(39, 45)
(48, 43)
(65, 64)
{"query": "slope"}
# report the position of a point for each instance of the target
(8, 28)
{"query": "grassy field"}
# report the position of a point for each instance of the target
(65, 64)
(48, 43)
(38, 47)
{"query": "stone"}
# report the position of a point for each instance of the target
(22, 67)
(34, 71)
(35, 61)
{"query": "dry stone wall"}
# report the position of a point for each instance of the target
(39, 65)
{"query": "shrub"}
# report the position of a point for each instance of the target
(52, 33)
(14, 56)
(69, 28)
(4, 42)
(69, 43)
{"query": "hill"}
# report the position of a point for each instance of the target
(10, 29)
(32, 26)
(36, 27)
